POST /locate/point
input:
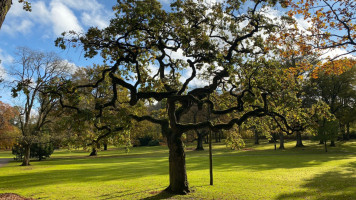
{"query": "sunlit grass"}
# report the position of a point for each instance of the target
(255, 172)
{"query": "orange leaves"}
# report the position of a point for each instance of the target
(335, 67)
(334, 17)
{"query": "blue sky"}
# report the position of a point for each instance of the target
(49, 18)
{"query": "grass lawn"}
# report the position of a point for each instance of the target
(257, 172)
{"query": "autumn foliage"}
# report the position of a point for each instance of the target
(8, 131)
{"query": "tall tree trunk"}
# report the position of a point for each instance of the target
(4, 8)
(257, 137)
(105, 146)
(26, 156)
(200, 142)
(94, 152)
(178, 182)
(348, 131)
(281, 141)
(332, 143)
(326, 148)
(343, 131)
(299, 140)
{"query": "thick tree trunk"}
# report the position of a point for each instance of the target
(105, 146)
(178, 182)
(4, 8)
(26, 156)
(281, 141)
(94, 152)
(332, 143)
(200, 142)
(257, 138)
(299, 140)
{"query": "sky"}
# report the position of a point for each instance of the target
(39, 28)
(49, 18)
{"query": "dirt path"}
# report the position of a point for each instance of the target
(4, 161)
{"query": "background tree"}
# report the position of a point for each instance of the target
(337, 91)
(8, 130)
(34, 73)
(332, 24)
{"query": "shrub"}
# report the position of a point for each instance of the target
(38, 150)
(153, 143)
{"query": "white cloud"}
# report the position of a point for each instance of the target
(335, 53)
(56, 16)
(69, 66)
(90, 19)
(63, 18)
(5, 60)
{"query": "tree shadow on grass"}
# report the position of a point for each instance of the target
(266, 160)
(328, 185)
(159, 195)
(78, 171)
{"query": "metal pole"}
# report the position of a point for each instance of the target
(210, 149)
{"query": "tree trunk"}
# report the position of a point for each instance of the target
(200, 142)
(332, 143)
(326, 148)
(94, 152)
(348, 131)
(4, 8)
(321, 142)
(299, 140)
(178, 182)
(105, 146)
(281, 141)
(343, 131)
(26, 156)
(257, 138)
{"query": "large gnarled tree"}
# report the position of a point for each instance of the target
(157, 54)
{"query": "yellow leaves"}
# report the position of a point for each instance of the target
(335, 67)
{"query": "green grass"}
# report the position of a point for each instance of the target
(256, 172)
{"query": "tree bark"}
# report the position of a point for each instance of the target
(178, 182)
(94, 152)
(26, 156)
(105, 146)
(321, 142)
(299, 140)
(5, 6)
(200, 142)
(281, 141)
(257, 138)
(332, 143)
(348, 131)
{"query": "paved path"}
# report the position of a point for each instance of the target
(4, 161)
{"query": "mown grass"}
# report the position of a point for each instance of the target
(256, 172)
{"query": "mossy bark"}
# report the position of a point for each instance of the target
(178, 182)
(5, 6)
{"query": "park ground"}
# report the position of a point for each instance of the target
(255, 172)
